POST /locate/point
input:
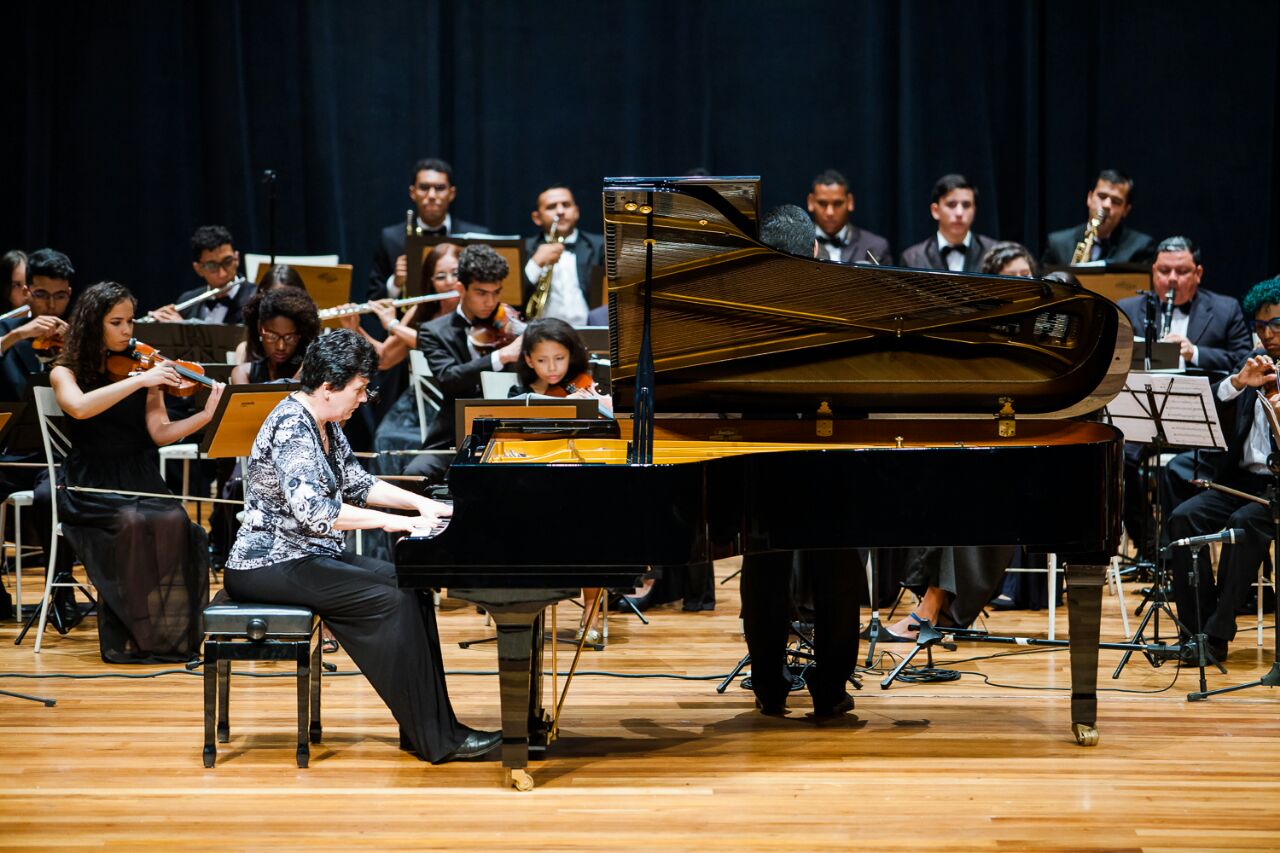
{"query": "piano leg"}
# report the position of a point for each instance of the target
(1084, 600)
(517, 618)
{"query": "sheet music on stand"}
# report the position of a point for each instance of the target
(1184, 406)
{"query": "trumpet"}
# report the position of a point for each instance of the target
(542, 291)
(366, 307)
(214, 293)
(1085, 247)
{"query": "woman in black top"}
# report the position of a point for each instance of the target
(147, 560)
(303, 490)
(280, 325)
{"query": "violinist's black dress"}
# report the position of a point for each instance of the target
(149, 562)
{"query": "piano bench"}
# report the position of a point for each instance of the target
(236, 630)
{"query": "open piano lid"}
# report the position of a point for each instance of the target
(740, 327)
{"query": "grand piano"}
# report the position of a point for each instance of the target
(792, 403)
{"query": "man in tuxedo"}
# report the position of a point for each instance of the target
(834, 574)
(432, 191)
(1242, 467)
(830, 204)
(1212, 334)
(48, 290)
(217, 263)
(456, 362)
(954, 246)
(577, 281)
(1113, 193)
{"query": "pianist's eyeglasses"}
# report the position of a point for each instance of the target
(1273, 325)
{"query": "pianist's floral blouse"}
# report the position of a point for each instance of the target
(293, 492)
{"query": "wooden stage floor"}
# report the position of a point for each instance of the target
(651, 763)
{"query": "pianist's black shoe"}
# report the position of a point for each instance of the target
(476, 745)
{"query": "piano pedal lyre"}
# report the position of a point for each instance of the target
(519, 779)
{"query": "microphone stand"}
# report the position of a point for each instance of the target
(1272, 677)
(269, 178)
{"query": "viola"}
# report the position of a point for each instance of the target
(140, 357)
(498, 331)
(582, 382)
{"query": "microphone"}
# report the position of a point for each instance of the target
(1229, 536)
(1167, 324)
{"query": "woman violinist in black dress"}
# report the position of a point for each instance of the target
(144, 555)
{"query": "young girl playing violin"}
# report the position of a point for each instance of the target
(554, 363)
(147, 560)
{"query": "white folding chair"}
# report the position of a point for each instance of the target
(1260, 585)
(495, 386)
(55, 443)
(17, 500)
(425, 391)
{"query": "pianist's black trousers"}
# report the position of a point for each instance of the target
(1209, 512)
(838, 582)
(389, 632)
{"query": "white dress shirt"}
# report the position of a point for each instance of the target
(566, 300)
(954, 260)
(1258, 446)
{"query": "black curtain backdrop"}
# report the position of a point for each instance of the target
(128, 124)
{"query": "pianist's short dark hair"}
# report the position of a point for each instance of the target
(1002, 254)
(827, 177)
(1115, 176)
(49, 263)
(1261, 295)
(1178, 244)
(431, 164)
(480, 262)
(789, 229)
(953, 181)
(337, 358)
(207, 238)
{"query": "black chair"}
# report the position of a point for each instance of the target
(238, 631)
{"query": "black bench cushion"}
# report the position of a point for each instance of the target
(225, 616)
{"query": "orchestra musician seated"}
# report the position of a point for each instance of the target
(481, 335)
(1008, 258)
(303, 490)
(146, 558)
(280, 325)
(273, 276)
(766, 576)
(1243, 467)
(1212, 335)
(831, 204)
(953, 246)
(217, 263)
(13, 269)
(576, 282)
(1112, 194)
(553, 362)
(28, 345)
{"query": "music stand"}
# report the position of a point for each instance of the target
(193, 340)
(1164, 412)
(239, 416)
(510, 246)
(1272, 677)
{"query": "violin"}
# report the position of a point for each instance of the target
(140, 357)
(498, 331)
(582, 382)
(48, 347)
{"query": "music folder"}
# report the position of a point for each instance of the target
(240, 414)
(1184, 405)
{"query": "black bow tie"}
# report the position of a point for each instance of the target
(947, 250)
(832, 240)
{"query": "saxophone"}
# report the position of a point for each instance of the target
(1085, 247)
(542, 290)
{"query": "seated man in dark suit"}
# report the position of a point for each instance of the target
(1243, 467)
(954, 247)
(1113, 194)
(456, 361)
(576, 287)
(215, 260)
(836, 575)
(48, 290)
(830, 204)
(432, 191)
(1212, 334)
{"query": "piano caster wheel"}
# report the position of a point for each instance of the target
(1086, 735)
(520, 780)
